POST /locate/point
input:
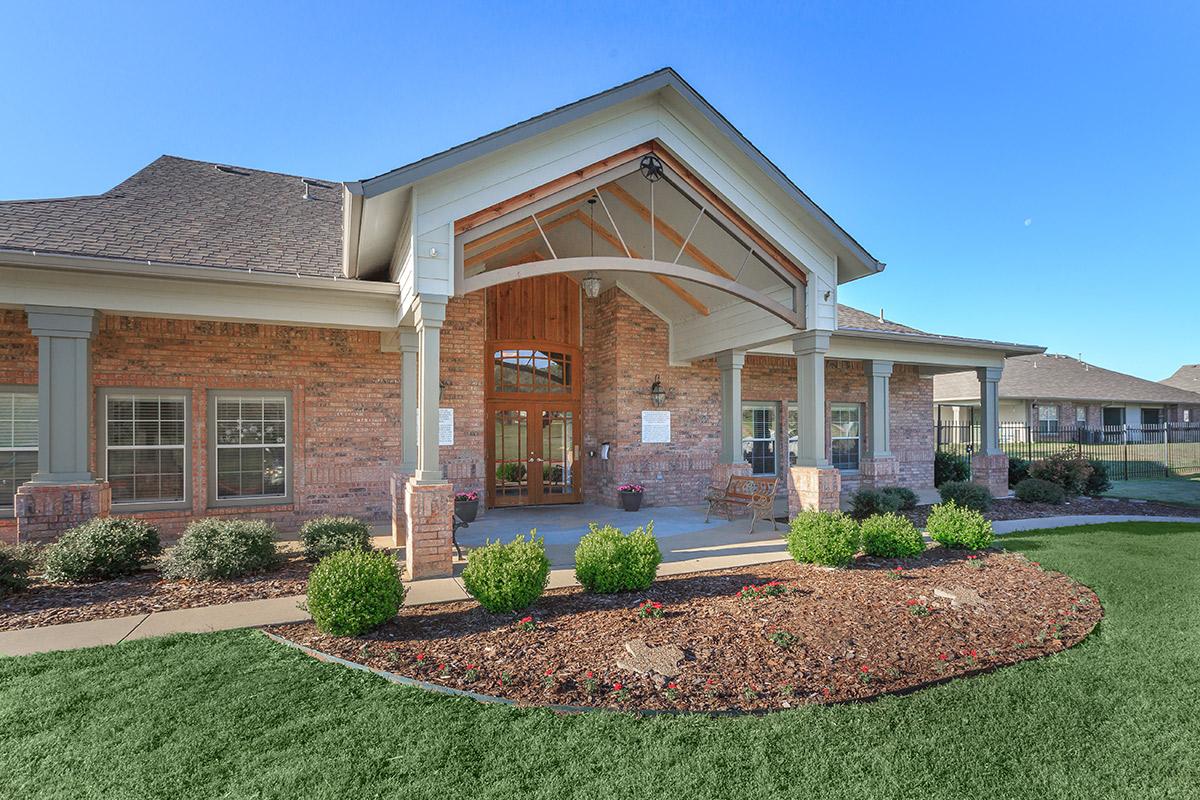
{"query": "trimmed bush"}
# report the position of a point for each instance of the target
(15, 563)
(829, 538)
(1066, 469)
(507, 577)
(905, 496)
(1097, 482)
(869, 502)
(966, 494)
(1036, 490)
(949, 467)
(952, 525)
(353, 591)
(891, 536)
(214, 548)
(325, 536)
(99, 549)
(607, 560)
(1018, 470)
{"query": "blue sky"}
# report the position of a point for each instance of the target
(1029, 171)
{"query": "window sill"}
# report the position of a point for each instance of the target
(140, 508)
(251, 502)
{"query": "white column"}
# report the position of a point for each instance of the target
(879, 407)
(430, 313)
(730, 363)
(810, 348)
(64, 387)
(409, 347)
(989, 410)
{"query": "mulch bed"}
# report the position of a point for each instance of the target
(1017, 509)
(56, 603)
(850, 635)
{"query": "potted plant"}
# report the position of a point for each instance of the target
(631, 496)
(466, 505)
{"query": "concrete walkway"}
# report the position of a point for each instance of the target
(719, 546)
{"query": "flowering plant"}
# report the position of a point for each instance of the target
(649, 609)
(465, 497)
(590, 683)
(783, 639)
(864, 674)
(974, 562)
(896, 573)
(672, 691)
(548, 678)
(917, 608)
(526, 623)
(619, 691)
(472, 673)
(631, 487)
(763, 590)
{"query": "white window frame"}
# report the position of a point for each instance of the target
(216, 395)
(1081, 416)
(8, 504)
(1047, 414)
(774, 440)
(103, 447)
(858, 410)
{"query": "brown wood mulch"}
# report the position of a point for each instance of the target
(1078, 506)
(832, 635)
(57, 603)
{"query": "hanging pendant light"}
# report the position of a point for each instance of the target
(591, 281)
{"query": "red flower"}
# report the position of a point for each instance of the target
(525, 620)
(672, 685)
(658, 605)
(470, 666)
(550, 670)
(590, 674)
(617, 687)
(864, 668)
(944, 656)
(709, 682)
(441, 666)
(420, 656)
(913, 602)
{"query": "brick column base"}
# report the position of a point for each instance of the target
(45, 510)
(879, 472)
(814, 489)
(721, 473)
(992, 472)
(429, 520)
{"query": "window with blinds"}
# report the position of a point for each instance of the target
(251, 446)
(145, 441)
(18, 441)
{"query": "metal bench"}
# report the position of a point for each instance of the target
(744, 494)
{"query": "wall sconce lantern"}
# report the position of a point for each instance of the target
(658, 395)
(591, 285)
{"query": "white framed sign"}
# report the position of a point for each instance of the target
(445, 426)
(656, 427)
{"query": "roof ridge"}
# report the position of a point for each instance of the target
(205, 162)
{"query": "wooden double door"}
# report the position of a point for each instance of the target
(533, 452)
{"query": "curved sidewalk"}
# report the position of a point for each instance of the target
(721, 547)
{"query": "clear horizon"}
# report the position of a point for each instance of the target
(1028, 173)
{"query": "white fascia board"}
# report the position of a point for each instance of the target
(926, 352)
(160, 292)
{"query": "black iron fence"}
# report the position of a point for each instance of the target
(1169, 450)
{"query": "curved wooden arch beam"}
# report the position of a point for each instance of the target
(495, 277)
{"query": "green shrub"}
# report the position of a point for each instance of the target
(215, 548)
(891, 536)
(325, 536)
(1036, 490)
(15, 563)
(607, 560)
(966, 494)
(1097, 482)
(949, 467)
(869, 502)
(507, 577)
(1018, 470)
(101, 548)
(1066, 469)
(952, 525)
(352, 591)
(823, 537)
(906, 497)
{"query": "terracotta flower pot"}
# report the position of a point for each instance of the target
(466, 509)
(630, 501)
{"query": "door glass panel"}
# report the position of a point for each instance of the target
(558, 453)
(511, 456)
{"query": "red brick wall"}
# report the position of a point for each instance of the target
(345, 401)
(462, 380)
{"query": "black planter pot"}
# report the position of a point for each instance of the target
(631, 501)
(466, 509)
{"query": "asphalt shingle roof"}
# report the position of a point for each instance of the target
(1186, 377)
(1062, 378)
(852, 318)
(178, 211)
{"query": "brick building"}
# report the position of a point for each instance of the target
(621, 290)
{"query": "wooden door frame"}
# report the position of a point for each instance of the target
(534, 407)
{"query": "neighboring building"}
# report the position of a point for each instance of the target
(623, 289)
(1049, 394)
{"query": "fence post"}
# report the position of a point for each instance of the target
(1125, 443)
(1166, 447)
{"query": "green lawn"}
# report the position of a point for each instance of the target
(1171, 490)
(231, 715)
